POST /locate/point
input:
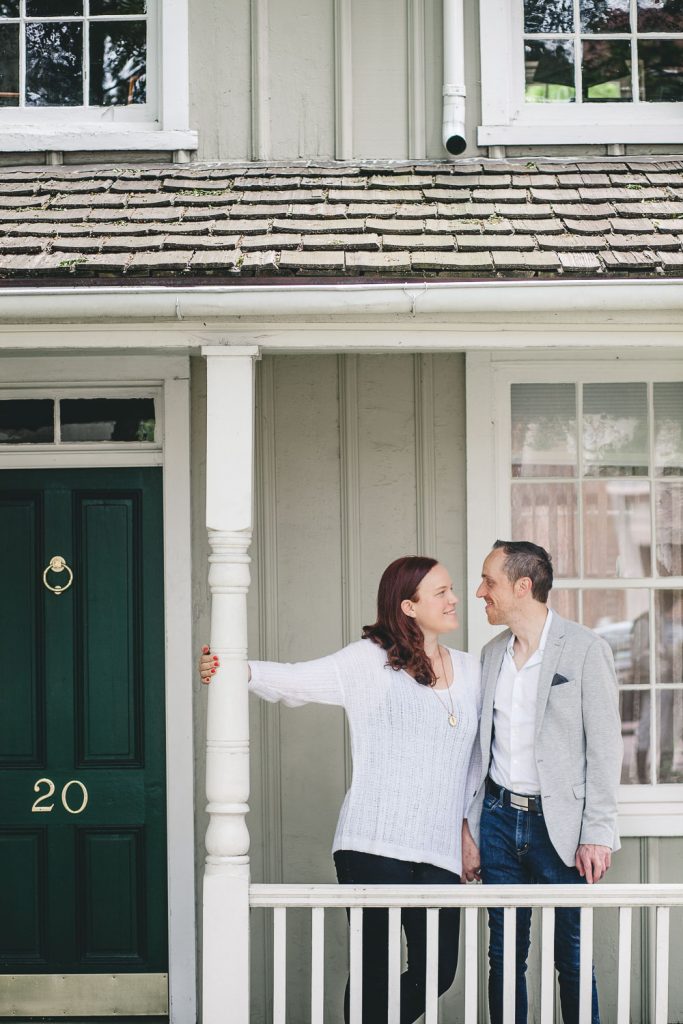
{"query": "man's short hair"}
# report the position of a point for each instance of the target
(526, 559)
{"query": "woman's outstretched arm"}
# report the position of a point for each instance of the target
(318, 681)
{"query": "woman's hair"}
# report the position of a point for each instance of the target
(396, 632)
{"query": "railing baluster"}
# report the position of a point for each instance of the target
(624, 979)
(471, 964)
(356, 965)
(586, 966)
(662, 967)
(395, 965)
(317, 964)
(509, 963)
(548, 965)
(279, 964)
(432, 980)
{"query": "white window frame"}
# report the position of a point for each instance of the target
(644, 810)
(163, 123)
(507, 120)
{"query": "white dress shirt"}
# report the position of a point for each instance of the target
(513, 757)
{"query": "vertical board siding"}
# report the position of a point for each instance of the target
(338, 448)
(220, 78)
(301, 45)
(322, 79)
(379, 35)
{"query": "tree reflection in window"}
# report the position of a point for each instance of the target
(614, 57)
(52, 54)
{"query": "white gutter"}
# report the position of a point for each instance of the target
(453, 130)
(488, 299)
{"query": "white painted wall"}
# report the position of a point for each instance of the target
(263, 80)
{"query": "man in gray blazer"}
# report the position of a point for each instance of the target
(544, 805)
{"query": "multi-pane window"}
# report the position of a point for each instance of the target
(73, 53)
(597, 479)
(603, 51)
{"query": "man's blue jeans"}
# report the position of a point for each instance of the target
(516, 849)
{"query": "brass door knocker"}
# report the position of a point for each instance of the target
(58, 564)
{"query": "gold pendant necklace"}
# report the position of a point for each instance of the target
(452, 720)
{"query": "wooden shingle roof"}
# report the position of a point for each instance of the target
(227, 223)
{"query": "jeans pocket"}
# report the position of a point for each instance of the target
(491, 802)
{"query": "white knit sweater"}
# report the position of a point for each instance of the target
(408, 794)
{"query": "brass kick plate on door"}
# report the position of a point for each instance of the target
(83, 995)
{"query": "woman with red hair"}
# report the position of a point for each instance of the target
(413, 708)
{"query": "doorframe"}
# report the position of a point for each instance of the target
(171, 376)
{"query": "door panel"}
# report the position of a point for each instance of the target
(82, 790)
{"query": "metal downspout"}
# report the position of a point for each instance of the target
(453, 134)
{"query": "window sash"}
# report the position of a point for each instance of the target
(508, 120)
(652, 809)
(143, 114)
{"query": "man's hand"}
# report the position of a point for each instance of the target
(593, 861)
(470, 856)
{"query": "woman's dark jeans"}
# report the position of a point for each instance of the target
(368, 869)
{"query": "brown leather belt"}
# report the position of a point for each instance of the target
(518, 801)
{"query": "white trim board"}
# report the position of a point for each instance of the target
(172, 375)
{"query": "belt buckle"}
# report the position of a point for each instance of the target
(519, 802)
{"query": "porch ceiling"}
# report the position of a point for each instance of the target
(451, 221)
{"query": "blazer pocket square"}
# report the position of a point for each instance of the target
(558, 680)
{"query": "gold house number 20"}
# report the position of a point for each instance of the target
(40, 804)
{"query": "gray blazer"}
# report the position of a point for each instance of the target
(578, 737)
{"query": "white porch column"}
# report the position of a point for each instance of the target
(229, 453)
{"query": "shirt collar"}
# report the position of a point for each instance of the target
(541, 643)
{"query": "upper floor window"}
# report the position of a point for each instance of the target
(94, 74)
(582, 71)
(73, 53)
(603, 51)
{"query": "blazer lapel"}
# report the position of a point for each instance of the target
(490, 673)
(551, 657)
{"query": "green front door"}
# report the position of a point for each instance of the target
(83, 915)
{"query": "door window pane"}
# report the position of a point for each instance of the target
(9, 65)
(26, 421)
(543, 430)
(54, 64)
(617, 533)
(547, 514)
(615, 434)
(107, 419)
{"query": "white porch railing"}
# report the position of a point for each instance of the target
(470, 898)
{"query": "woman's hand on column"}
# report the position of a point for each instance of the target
(471, 861)
(208, 663)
